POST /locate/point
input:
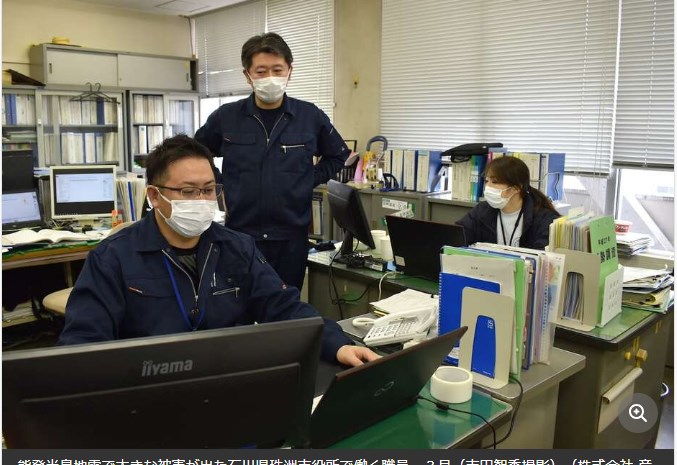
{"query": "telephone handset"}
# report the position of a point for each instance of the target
(401, 326)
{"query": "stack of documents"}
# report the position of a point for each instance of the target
(633, 243)
(647, 289)
(482, 285)
(406, 300)
(595, 235)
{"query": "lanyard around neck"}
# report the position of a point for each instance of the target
(517, 222)
(186, 318)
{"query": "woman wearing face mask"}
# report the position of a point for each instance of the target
(513, 212)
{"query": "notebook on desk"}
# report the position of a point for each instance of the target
(416, 244)
(363, 395)
(20, 210)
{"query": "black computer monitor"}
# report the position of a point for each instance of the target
(235, 387)
(346, 208)
(17, 170)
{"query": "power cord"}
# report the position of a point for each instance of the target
(331, 285)
(445, 407)
(514, 415)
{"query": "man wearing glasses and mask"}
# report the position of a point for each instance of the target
(176, 270)
(268, 142)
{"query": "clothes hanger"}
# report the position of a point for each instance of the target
(93, 94)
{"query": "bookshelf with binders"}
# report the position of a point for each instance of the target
(154, 116)
(80, 127)
(19, 128)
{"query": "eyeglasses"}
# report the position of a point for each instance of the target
(192, 193)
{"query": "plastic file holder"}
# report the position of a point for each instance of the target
(594, 314)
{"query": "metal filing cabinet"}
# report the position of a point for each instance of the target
(611, 352)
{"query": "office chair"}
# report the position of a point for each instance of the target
(56, 301)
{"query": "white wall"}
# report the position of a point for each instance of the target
(29, 22)
(358, 57)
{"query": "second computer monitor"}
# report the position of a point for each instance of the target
(82, 192)
(17, 170)
(348, 212)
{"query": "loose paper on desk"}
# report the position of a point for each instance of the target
(408, 299)
(632, 273)
(28, 236)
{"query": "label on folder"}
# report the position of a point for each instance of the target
(484, 347)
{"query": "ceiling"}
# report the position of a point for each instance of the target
(166, 7)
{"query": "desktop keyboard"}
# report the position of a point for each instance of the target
(363, 261)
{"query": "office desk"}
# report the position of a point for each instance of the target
(610, 354)
(534, 425)
(46, 256)
(422, 425)
(350, 283)
(33, 273)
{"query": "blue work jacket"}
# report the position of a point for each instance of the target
(125, 289)
(479, 224)
(268, 179)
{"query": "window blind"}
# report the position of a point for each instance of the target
(219, 37)
(645, 115)
(308, 29)
(536, 75)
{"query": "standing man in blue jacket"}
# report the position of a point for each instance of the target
(176, 271)
(268, 142)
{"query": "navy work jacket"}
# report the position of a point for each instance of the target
(479, 224)
(125, 289)
(268, 179)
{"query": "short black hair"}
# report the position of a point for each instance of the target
(170, 150)
(265, 43)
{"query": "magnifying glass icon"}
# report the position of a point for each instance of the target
(636, 412)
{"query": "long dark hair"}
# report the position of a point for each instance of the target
(513, 172)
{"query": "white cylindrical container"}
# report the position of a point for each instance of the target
(386, 248)
(452, 385)
(377, 234)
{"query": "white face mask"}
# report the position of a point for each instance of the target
(494, 197)
(190, 218)
(270, 89)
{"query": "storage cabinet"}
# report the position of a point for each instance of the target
(75, 66)
(154, 72)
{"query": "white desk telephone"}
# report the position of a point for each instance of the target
(398, 327)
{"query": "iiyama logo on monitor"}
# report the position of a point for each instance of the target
(164, 368)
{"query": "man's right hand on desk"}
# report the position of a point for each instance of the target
(355, 355)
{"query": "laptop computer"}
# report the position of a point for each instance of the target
(20, 210)
(416, 244)
(363, 395)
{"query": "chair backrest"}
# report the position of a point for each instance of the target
(119, 226)
(56, 301)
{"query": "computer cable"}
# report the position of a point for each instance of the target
(443, 406)
(380, 281)
(331, 284)
(514, 415)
